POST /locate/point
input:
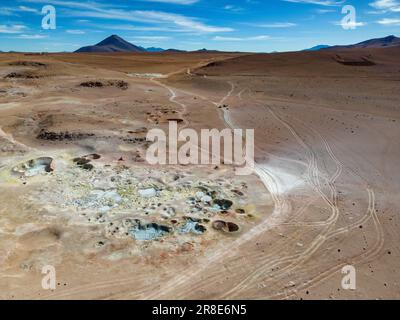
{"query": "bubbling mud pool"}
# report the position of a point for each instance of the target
(34, 167)
(132, 202)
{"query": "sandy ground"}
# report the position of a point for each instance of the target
(324, 193)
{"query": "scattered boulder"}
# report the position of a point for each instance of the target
(93, 156)
(92, 84)
(27, 64)
(62, 136)
(85, 161)
(120, 84)
(81, 161)
(22, 75)
(87, 167)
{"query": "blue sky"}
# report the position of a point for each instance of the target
(235, 25)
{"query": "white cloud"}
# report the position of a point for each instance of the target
(129, 27)
(155, 17)
(31, 36)
(28, 9)
(350, 24)
(10, 11)
(100, 10)
(75, 31)
(16, 28)
(233, 8)
(277, 25)
(182, 21)
(72, 4)
(327, 3)
(184, 2)
(152, 38)
(389, 22)
(386, 5)
(255, 38)
(323, 11)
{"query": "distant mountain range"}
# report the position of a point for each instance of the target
(154, 49)
(319, 47)
(386, 42)
(115, 43)
(390, 41)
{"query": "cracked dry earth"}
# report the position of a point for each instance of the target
(76, 192)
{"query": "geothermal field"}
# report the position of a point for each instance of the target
(77, 193)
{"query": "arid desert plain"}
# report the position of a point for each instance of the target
(77, 193)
